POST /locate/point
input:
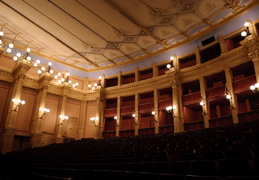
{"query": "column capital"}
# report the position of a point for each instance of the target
(175, 74)
(251, 43)
(254, 55)
(20, 69)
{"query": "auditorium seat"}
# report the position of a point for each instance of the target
(213, 155)
(148, 176)
(163, 176)
(242, 178)
(204, 167)
(238, 153)
(236, 166)
(162, 167)
(180, 167)
(197, 177)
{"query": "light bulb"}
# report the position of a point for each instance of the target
(252, 87)
(11, 45)
(8, 50)
(246, 24)
(1, 33)
(228, 96)
(28, 50)
(243, 33)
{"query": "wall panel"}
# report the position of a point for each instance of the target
(49, 121)
(25, 112)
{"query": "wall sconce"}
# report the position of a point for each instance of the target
(134, 115)
(44, 111)
(64, 79)
(17, 102)
(228, 96)
(63, 118)
(26, 57)
(170, 109)
(96, 84)
(246, 32)
(115, 118)
(255, 87)
(153, 112)
(202, 103)
(4, 44)
(170, 65)
(93, 120)
(48, 69)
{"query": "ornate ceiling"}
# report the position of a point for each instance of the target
(93, 35)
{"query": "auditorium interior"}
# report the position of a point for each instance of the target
(129, 89)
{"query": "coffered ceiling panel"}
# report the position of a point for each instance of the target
(93, 35)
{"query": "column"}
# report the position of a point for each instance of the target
(81, 133)
(156, 111)
(136, 74)
(222, 43)
(197, 54)
(232, 100)
(205, 106)
(99, 115)
(119, 78)
(136, 119)
(255, 58)
(177, 102)
(155, 69)
(35, 140)
(118, 120)
(7, 135)
(61, 121)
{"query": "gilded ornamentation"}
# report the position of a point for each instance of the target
(156, 12)
(175, 3)
(254, 55)
(210, 7)
(232, 4)
(187, 22)
(146, 41)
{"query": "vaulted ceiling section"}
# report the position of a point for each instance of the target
(93, 35)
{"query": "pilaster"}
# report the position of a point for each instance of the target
(205, 106)
(136, 119)
(232, 100)
(7, 135)
(177, 101)
(255, 58)
(118, 120)
(156, 120)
